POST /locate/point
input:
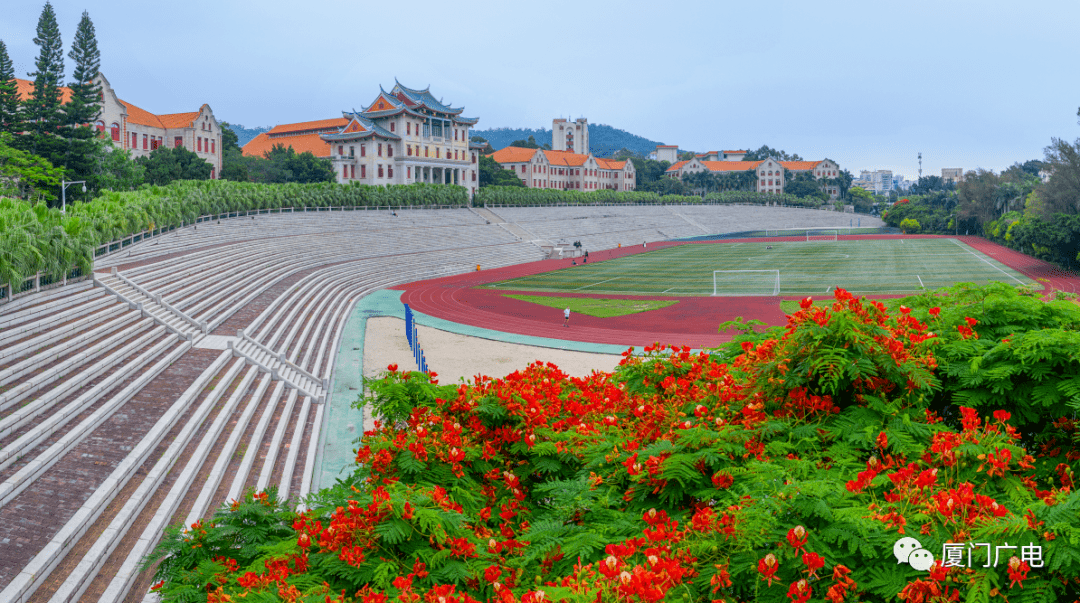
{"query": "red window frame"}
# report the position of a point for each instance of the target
(363, 171)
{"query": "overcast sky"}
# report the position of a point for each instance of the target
(980, 83)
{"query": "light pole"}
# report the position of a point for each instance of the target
(63, 192)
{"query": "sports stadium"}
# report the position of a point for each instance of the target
(226, 355)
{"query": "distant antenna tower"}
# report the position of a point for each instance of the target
(920, 165)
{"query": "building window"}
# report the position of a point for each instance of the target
(426, 153)
(340, 150)
(100, 126)
(363, 150)
(408, 128)
(474, 158)
(408, 172)
(380, 171)
(437, 149)
(213, 147)
(389, 171)
(363, 171)
(200, 144)
(391, 126)
(344, 171)
(352, 171)
(114, 131)
(408, 150)
(455, 153)
(178, 142)
(380, 149)
(134, 140)
(473, 175)
(389, 150)
(352, 152)
(522, 169)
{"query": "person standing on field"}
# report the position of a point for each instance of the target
(566, 317)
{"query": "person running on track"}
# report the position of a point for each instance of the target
(566, 317)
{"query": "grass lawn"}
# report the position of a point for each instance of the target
(896, 266)
(598, 307)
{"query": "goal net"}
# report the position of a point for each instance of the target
(821, 235)
(746, 282)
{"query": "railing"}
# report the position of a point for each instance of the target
(39, 282)
(414, 343)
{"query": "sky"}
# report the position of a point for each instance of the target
(867, 83)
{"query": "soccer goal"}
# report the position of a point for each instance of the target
(821, 235)
(746, 282)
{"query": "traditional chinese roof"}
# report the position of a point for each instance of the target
(304, 127)
(423, 98)
(565, 158)
(610, 164)
(301, 143)
(360, 127)
(25, 89)
(514, 155)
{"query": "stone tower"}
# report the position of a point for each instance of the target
(570, 136)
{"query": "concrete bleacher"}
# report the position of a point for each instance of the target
(135, 396)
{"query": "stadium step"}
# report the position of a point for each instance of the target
(278, 365)
(151, 305)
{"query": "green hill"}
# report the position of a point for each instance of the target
(604, 140)
(244, 135)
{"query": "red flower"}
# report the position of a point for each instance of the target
(1018, 571)
(935, 311)
(813, 562)
(806, 302)
(767, 567)
(1002, 415)
(882, 441)
(492, 573)
(796, 537)
(800, 591)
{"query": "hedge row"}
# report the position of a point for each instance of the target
(35, 238)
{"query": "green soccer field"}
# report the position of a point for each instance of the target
(865, 267)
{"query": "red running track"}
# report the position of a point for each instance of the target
(693, 321)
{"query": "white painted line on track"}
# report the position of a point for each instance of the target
(920, 281)
(1022, 283)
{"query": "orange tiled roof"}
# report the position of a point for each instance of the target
(140, 116)
(667, 146)
(178, 120)
(25, 88)
(565, 158)
(743, 152)
(677, 165)
(513, 155)
(610, 164)
(319, 124)
(799, 166)
(302, 143)
(730, 166)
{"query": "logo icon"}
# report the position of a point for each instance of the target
(909, 550)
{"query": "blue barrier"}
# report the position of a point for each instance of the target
(414, 343)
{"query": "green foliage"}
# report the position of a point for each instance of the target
(43, 115)
(910, 225)
(690, 472)
(9, 94)
(26, 176)
(493, 174)
(283, 164)
(32, 242)
(167, 164)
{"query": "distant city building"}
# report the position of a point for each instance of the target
(1044, 174)
(569, 136)
(539, 168)
(954, 175)
(140, 131)
(404, 136)
(879, 182)
(666, 152)
(769, 173)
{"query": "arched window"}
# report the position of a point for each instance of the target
(114, 131)
(100, 126)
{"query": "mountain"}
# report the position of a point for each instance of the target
(244, 135)
(604, 140)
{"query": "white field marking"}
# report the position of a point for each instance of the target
(600, 283)
(827, 288)
(1022, 283)
(920, 281)
(666, 290)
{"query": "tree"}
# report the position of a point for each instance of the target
(165, 164)
(233, 163)
(113, 168)
(765, 152)
(9, 94)
(909, 225)
(526, 144)
(978, 194)
(26, 176)
(43, 113)
(84, 107)
(928, 184)
(1062, 192)
(493, 174)
(283, 164)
